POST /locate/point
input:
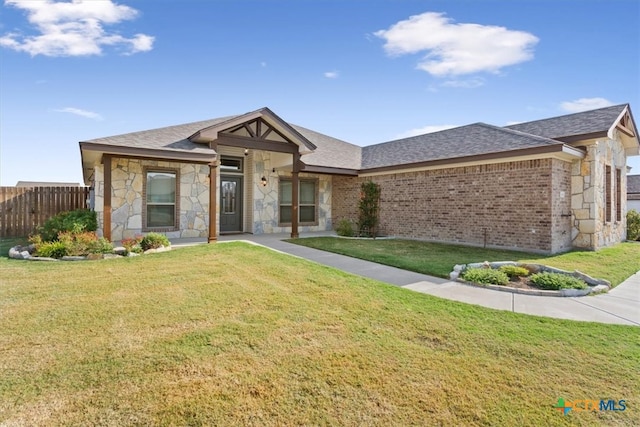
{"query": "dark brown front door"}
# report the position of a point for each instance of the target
(230, 204)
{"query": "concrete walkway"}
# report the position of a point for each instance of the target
(620, 306)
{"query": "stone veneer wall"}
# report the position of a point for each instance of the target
(512, 205)
(127, 176)
(265, 199)
(590, 229)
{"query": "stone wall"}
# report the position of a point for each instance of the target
(590, 228)
(265, 198)
(510, 205)
(127, 176)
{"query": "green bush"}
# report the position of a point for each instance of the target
(345, 228)
(132, 245)
(485, 276)
(52, 250)
(74, 221)
(101, 246)
(154, 241)
(633, 225)
(514, 271)
(74, 244)
(368, 209)
(556, 281)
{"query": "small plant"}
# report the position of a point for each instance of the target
(74, 221)
(368, 209)
(557, 281)
(485, 276)
(633, 225)
(52, 250)
(132, 244)
(154, 241)
(514, 271)
(101, 246)
(345, 228)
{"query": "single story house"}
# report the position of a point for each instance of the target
(633, 192)
(544, 186)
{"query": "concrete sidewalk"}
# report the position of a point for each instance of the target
(620, 306)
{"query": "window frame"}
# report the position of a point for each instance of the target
(316, 196)
(176, 210)
(607, 194)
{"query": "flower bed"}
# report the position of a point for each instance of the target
(532, 279)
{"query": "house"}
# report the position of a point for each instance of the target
(543, 186)
(633, 192)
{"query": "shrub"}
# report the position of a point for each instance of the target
(132, 244)
(514, 271)
(74, 221)
(556, 281)
(101, 246)
(368, 209)
(633, 225)
(77, 244)
(345, 228)
(486, 276)
(154, 241)
(52, 250)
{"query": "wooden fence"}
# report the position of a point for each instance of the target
(24, 209)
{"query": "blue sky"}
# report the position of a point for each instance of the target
(363, 71)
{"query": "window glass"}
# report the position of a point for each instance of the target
(161, 199)
(307, 190)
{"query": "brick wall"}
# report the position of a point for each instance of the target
(512, 205)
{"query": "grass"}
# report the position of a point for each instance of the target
(437, 259)
(234, 334)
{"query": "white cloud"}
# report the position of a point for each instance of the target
(465, 83)
(457, 49)
(74, 28)
(423, 130)
(585, 104)
(80, 112)
(331, 74)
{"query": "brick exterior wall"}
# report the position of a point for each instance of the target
(514, 205)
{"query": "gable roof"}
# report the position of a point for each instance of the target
(584, 124)
(330, 152)
(457, 143)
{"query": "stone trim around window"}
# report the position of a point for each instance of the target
(316, 186)
(176, 225)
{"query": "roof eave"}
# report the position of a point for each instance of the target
(561, 151)
(150, 153)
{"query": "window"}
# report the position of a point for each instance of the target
(607, 193)
(231, 164)
(618, 195)
(160, 197)
(308, 196)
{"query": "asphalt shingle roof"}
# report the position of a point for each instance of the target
(593, 121)
(173, 138)
(470, 140)
(330, 152)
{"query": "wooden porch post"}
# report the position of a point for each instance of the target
(106, 209)
(295, 202)
(213, 199)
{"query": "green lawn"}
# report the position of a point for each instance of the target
(437, 259)
(234, 334)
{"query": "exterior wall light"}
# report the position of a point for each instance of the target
(263, 181)
(246, 151)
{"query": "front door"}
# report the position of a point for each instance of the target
(230, 204)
